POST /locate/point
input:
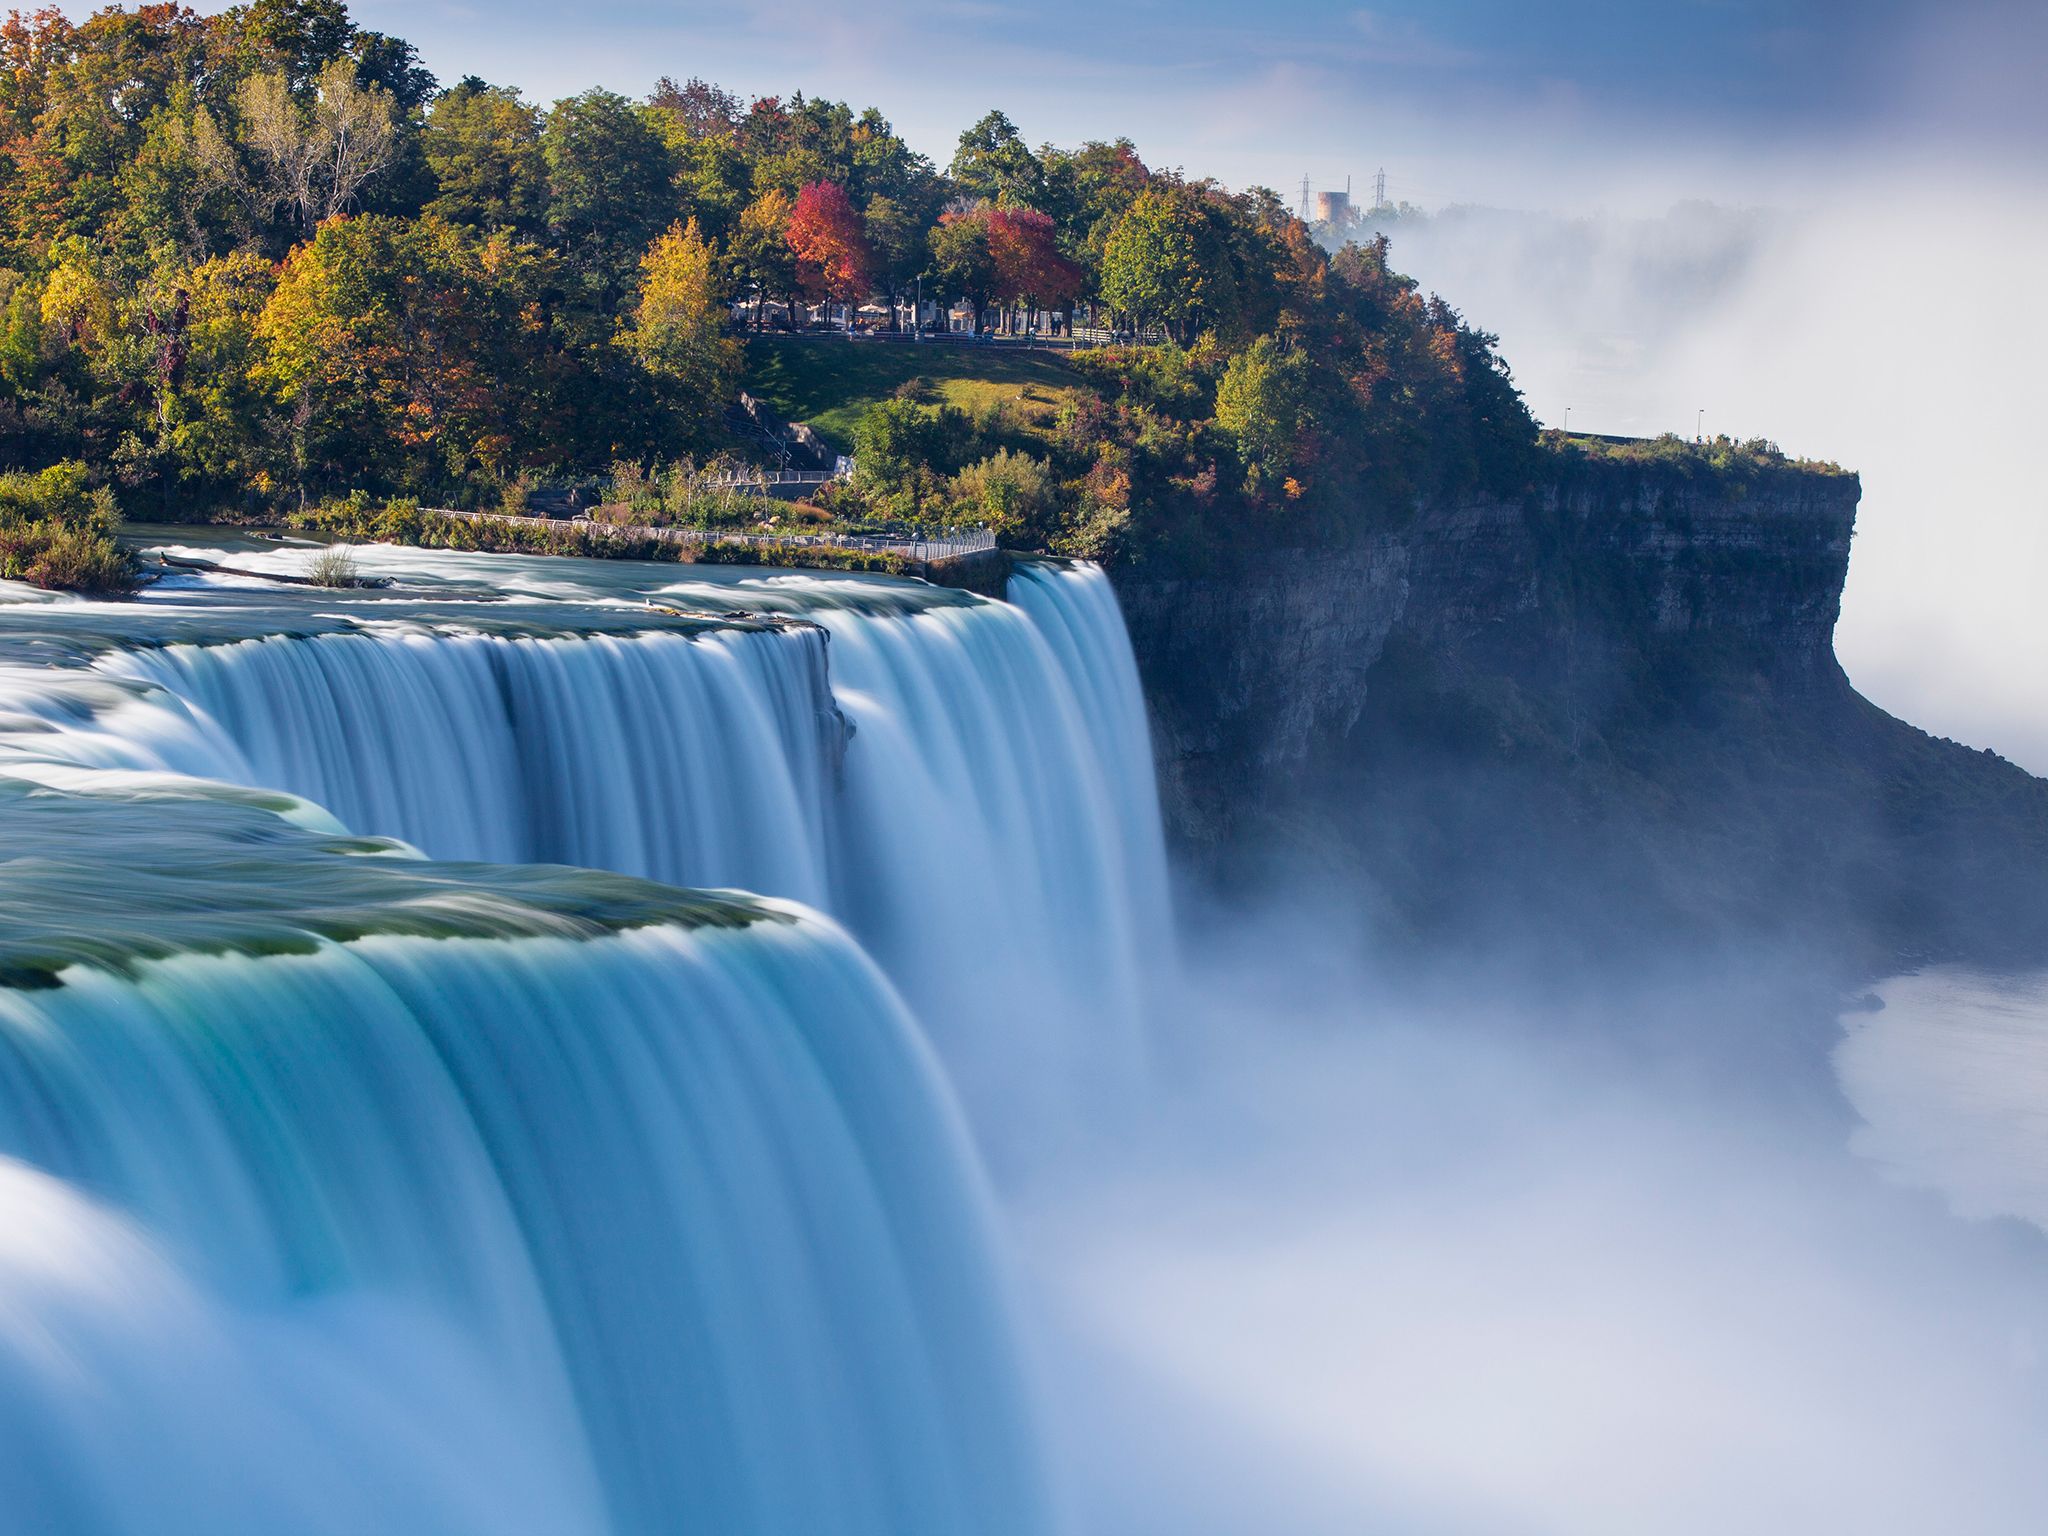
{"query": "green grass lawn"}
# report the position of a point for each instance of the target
(828, 381)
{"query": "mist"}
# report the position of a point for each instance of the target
(1470, 1253)
(1886, 324)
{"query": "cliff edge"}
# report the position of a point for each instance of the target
(1604, 714)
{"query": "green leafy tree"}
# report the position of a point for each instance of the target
(1169, 261)
(713, 182)
(895, 236)
(296, 39)
(994, 164)
(483, 145)
(902, 452)
(1262, 402)
(609, 189)
(1152, 262)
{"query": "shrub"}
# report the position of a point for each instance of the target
(516, 497)
(721, 495)
(631, 485)
(57, 531)
(75, 560)
(1011, 491)
(334, 566)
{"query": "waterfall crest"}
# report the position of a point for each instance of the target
(989, 831)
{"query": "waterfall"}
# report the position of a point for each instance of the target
(990, 830)
(695, 760)
(379, 1150)
(648, 1215)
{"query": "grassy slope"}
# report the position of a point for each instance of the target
(828, 381)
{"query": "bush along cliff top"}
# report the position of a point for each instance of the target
(250, 264)
(1730, 459)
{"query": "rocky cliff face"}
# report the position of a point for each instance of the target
(1619, 689)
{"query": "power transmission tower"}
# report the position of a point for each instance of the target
(1304, 197)
(1379, 189)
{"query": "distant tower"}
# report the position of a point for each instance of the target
(1379, 189)
(1333, 207)
(1304, 197)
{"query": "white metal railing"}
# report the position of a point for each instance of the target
(1099, 336)
(767, 479)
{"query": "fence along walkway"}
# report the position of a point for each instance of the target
(971, 541)
(1082, 338)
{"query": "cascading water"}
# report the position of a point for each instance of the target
(344, 1190)
(632, 1211)
(990, 832)
(696, 760)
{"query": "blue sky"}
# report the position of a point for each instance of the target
(1468, 99)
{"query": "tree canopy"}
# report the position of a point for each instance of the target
(259, 258)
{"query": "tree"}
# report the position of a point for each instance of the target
(1160, 264)
(393, 64)
(962, 265)
(397, 349)
(1087, 191)
(896, 236)
(295, 39)
(483, 145)
(760, 252)
(170, 207)
(1262, 403)
(833, 260)
(216, 419)
(902, 452)
(698, 108)
(608, 185)
(302, 161)
(1029, 267)
(713, 184)
(993, 164)
(677, 328)
(882, 165)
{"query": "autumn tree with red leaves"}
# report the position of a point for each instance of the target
(833, 259)
(1030, 269)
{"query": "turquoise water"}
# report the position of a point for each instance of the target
(395, 1135)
